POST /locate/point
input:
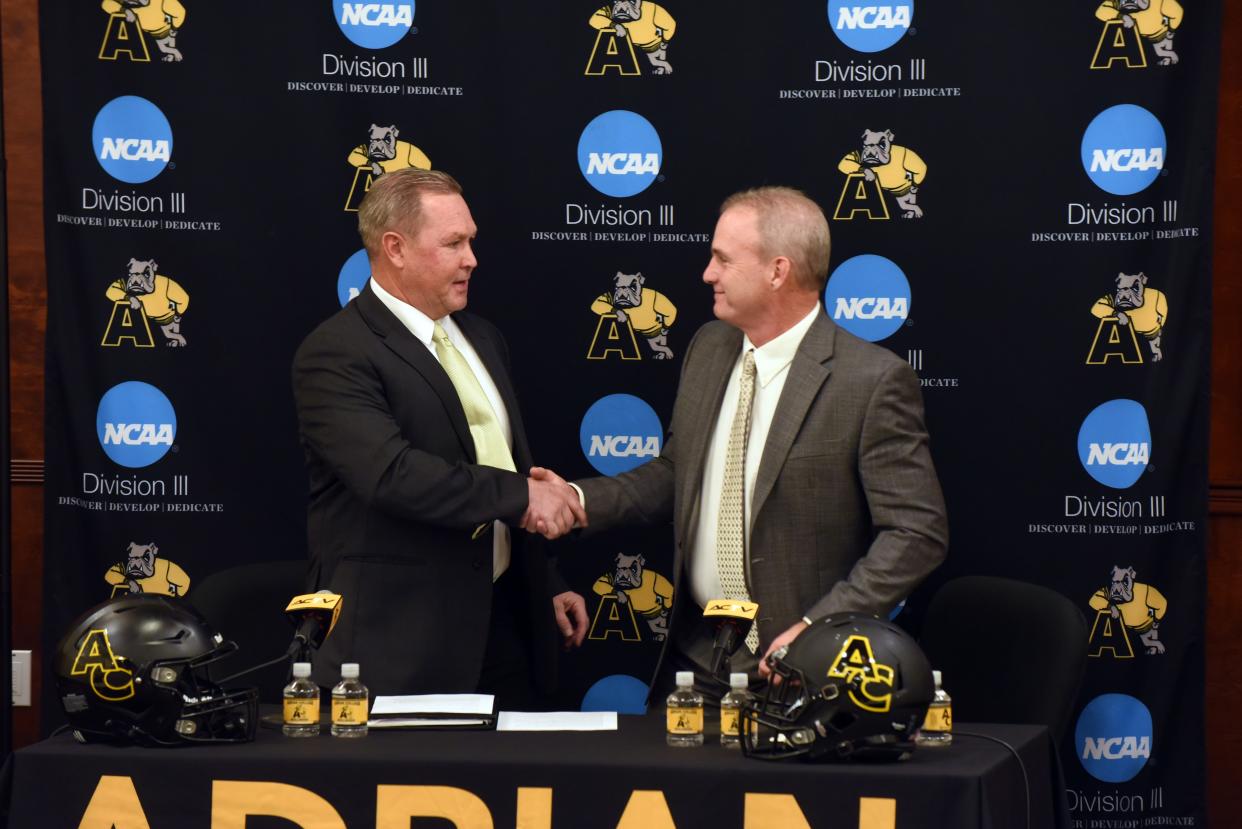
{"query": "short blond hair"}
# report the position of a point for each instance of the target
(793, 226)
(395, 202)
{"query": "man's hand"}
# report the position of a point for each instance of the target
(779, 642)
(571, 618)
(554, 507)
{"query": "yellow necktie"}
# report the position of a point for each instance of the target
(490, 446)
(731, 520)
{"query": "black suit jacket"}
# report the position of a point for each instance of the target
(396, 503)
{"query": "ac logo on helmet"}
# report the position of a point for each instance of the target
(871, 684)
(96, 660)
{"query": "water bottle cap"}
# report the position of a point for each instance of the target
(936, 677)
(349, 670)
(739, 681)
(301, 670)
(685, 679)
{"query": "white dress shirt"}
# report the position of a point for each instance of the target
(772, 361)
(422, 326)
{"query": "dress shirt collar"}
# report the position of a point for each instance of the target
(776, 354)
(418, 323)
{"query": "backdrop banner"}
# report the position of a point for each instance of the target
(1020, 203)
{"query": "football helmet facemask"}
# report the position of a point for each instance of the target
(849, 686)
(137, 669)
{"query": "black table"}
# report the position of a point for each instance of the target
(627, 779)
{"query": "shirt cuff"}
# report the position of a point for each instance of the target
(581, 497)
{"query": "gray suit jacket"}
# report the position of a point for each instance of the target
(847, 513)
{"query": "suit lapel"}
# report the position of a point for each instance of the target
(706, 385)
(807, 373)
(405, 345)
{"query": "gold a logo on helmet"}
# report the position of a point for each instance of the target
(96, 661)
(871, 684)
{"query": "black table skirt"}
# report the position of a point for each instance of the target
(628, 778)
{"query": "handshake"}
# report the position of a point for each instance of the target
(554, 507)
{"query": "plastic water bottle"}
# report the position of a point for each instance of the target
(685, 713)
(301, 715)
(349, 704)
(731, 710)
(937, 727)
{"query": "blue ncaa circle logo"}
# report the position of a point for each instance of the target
(136, 424)
(620, 432)
(1114, 443)
(869, 27)
(1113, 737)
(1123, 149)
(374, 25)
(868, 296)
(620, 153)
(132, 139)
(354, 275)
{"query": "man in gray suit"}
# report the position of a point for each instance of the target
(796, 469)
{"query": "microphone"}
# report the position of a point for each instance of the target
(314, 615)
(732, 619)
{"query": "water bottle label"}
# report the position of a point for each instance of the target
(939, 719)
(685, 720)
(730, 721)
(301, 712)
(349, 711)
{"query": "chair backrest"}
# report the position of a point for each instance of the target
(1009, 651)
(247, 604)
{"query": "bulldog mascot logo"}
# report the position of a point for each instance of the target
(1125, 606)
(628, 309)
(624, 25)
(144, 294)
(381, 153)
(142, 572)
(880, 165)
(130, 22)
(1132, 310)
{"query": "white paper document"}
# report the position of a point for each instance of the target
(425, 722)
(557, 721)
(479, 705)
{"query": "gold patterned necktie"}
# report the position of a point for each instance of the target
(490, 446)
(731, 519)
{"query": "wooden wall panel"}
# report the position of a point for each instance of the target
(22, 122)
(23, 148)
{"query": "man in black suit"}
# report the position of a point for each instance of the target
(413, 437)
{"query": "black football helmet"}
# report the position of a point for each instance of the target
(137, 669)
(850, 686)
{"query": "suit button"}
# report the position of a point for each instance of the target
(478, 565)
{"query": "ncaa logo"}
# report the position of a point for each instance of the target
(1114, 443)
(132, 139)
(1123, 149)
(868, 296)
(620, 432)
(869, 27)
(136, 424)
(374, 25)
(1113, 737)
(354, 275)
(620, 153)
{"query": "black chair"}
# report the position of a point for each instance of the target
(247, 604)
(1009, 651)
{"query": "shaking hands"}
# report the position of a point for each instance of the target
(554, 508)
